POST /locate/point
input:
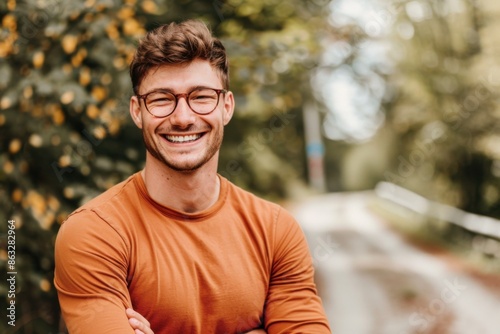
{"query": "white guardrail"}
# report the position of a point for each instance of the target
(482, 225)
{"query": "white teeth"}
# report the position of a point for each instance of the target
(182, 139)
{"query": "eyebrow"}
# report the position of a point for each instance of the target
(169, 90)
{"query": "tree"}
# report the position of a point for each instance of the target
(444, 108)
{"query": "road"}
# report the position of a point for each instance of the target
(373, 281)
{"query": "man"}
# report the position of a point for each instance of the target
(176, 248)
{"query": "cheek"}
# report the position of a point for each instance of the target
(150, 124)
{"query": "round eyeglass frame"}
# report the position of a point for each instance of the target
(178, 96)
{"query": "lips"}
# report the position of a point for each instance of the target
(182, 139)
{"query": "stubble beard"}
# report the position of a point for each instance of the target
(184, 167)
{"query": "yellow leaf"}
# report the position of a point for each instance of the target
(5, 102)
(83, 53)
(67, 97)
(6, 48)
(9, 22)
(125, 13)
(54, 203)
(149, 7)
(85, 76)
(46, 222)
(8, 167)
(45, 285)
(99, 93)
(11, 5)
(36, 202)
(64, 161)
(17, 195)
(119, 62)
(77, 59)
(92, 111)
(35, 140)
(106, 79)
(15, 145)
(38, 59)
(69, 43)
(132, 27)
(85, 170)
(58, 117)
(114, 126)
(112, 31)
(68, 192)
(28, 92)
(99, 132)
(89, 3)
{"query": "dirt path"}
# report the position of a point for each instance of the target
(373, 281)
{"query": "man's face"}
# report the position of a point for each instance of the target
(183, 141)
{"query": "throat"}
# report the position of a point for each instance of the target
(203, 200)
(182, 193)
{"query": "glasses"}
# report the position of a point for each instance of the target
(162, 103)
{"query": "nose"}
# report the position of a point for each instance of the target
(182, 116)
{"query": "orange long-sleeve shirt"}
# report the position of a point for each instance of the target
(239, 265)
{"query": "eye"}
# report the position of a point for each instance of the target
(160, 98)
(202, 95)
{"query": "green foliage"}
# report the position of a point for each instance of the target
(64, 124)
(445, 107)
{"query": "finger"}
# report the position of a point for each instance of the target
(139, 327)
(136, 315)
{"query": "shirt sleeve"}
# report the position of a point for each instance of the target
(91, 276)
(293, 305)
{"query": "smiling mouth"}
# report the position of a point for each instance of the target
(182, 139)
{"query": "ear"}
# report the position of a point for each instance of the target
(135, 111)
(228, 107)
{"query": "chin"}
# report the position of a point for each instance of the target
(184, 166)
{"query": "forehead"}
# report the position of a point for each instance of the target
(179, 77)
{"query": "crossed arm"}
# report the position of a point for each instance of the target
(142, 326)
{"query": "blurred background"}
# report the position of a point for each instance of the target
(375, 122)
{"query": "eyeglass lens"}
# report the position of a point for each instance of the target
(201, 101)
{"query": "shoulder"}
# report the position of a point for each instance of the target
(245, 201)
(111, 195)
(240, 196)
(115, 199)
(101, 213)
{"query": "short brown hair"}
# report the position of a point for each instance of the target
(178, 43)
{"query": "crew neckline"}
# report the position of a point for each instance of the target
(191, 217)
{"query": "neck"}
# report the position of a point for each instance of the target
(188, 192)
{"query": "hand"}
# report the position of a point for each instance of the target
(138, 322)
(257, 331)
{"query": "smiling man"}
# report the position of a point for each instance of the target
(176, 248)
